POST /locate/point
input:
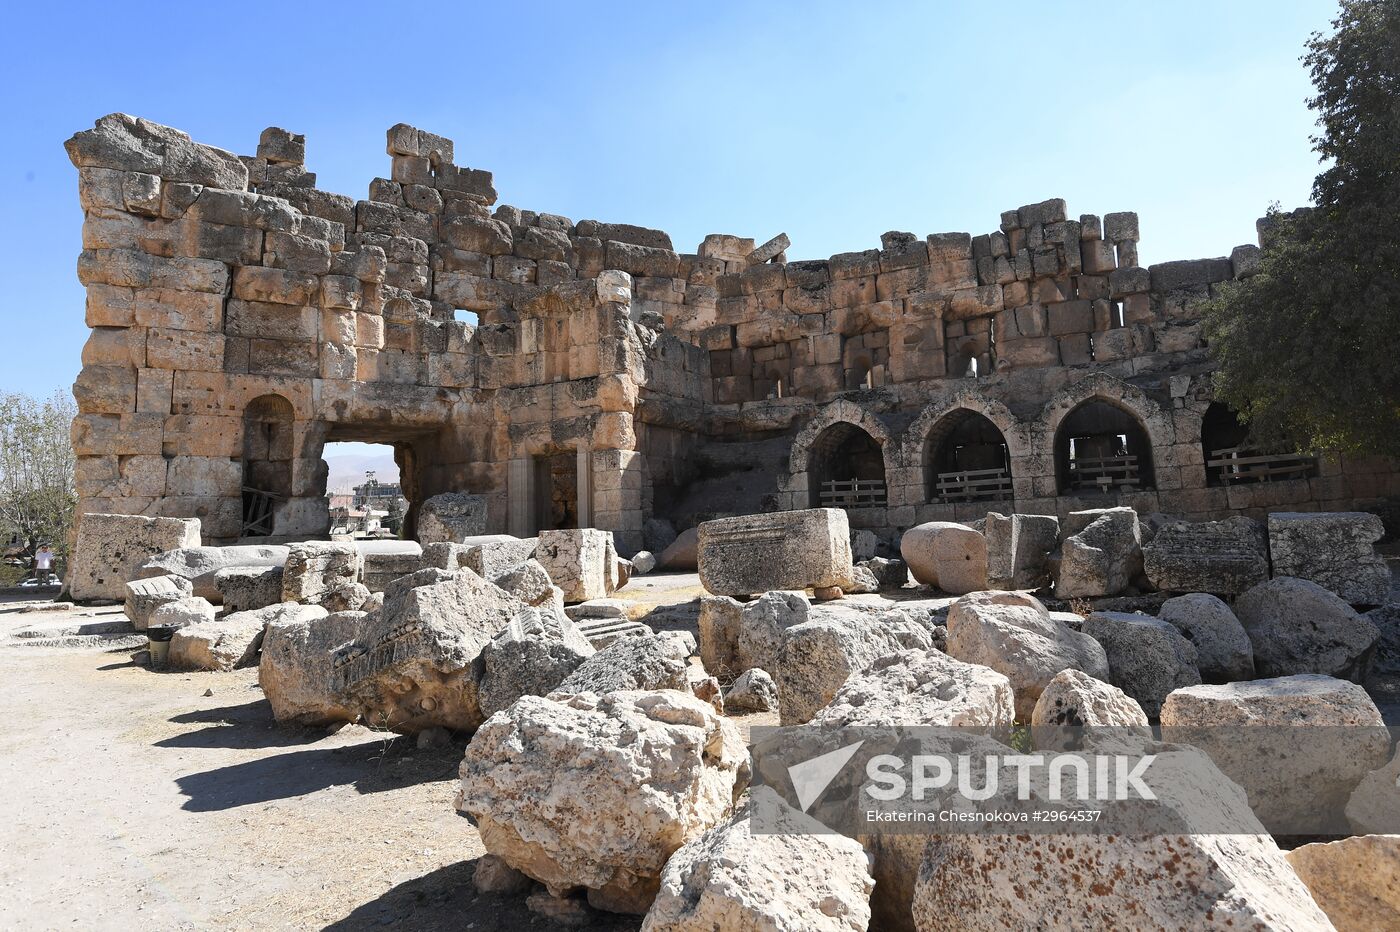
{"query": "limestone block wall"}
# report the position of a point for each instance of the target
(242, 318)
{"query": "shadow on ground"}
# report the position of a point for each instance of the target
(374, 765)
(246, 726)
(445, 901)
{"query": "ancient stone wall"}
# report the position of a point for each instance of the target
(242, 318)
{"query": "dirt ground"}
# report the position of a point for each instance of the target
(164, 800)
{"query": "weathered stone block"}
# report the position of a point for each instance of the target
(578, 560)
(1221, 557)
(783, 550)
(111, 547)
(1336, 550)
(451, 517)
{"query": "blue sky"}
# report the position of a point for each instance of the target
(833, 122)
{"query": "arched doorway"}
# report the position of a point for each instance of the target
(966, 459)
(846, 468)
(1100, 447)
(1230, 461)
(267, 463)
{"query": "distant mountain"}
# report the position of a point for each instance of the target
(348, 470)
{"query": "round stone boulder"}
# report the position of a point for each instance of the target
(1223, 651)
(1296, 626)
(951, 557)
(1147, 658)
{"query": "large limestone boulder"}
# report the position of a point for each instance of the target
(191, 610)
(1019, 548)
(923, 686)
(599, 791)
(245, 588)
(451, 517)
(1221, 557)
(818, 656)
(321, 572)
(412, 667)
(1147, 658)
(530, 583)
(1103, 558)
(1297, 626)
(1074, 699)
(579, 561)
(792, 878)
(1223, 651)
(200, 565)
(762, 624)
(225, 644)
(110, 549)
(1298, 745)
(1336, 550)
(144, 596)
(629, 663)
(753, 691)
(297, 665)
(1015, 635)
(719, 624)
(529, 657)
(948, 556)
(992, 881)
(808, 549)
(1356, 881)
(1374, 807)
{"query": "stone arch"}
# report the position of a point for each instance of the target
(834, 433)
(965, 456)
(268, 458)
(1108, 419)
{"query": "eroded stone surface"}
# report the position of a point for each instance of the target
(1223, 651)
(609, 789)
(1220, 557)
(531, 656)
(1015, 635)
(785, 550)
(1147, 657)
(1103, 558)
(1356, 881)
(791, 878)
(1297, 626)
(1336, 550)
(110, 548)
(451, 517)
(144, 596)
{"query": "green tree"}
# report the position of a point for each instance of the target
(36, 469)
(1308, 347)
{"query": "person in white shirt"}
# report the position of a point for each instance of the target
(43, 564)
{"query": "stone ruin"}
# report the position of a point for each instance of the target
(1008, 412)
(242, 318)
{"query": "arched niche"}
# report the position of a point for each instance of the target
(846, 468)
(966, 459)
(1101, 446)
(1231, 461)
